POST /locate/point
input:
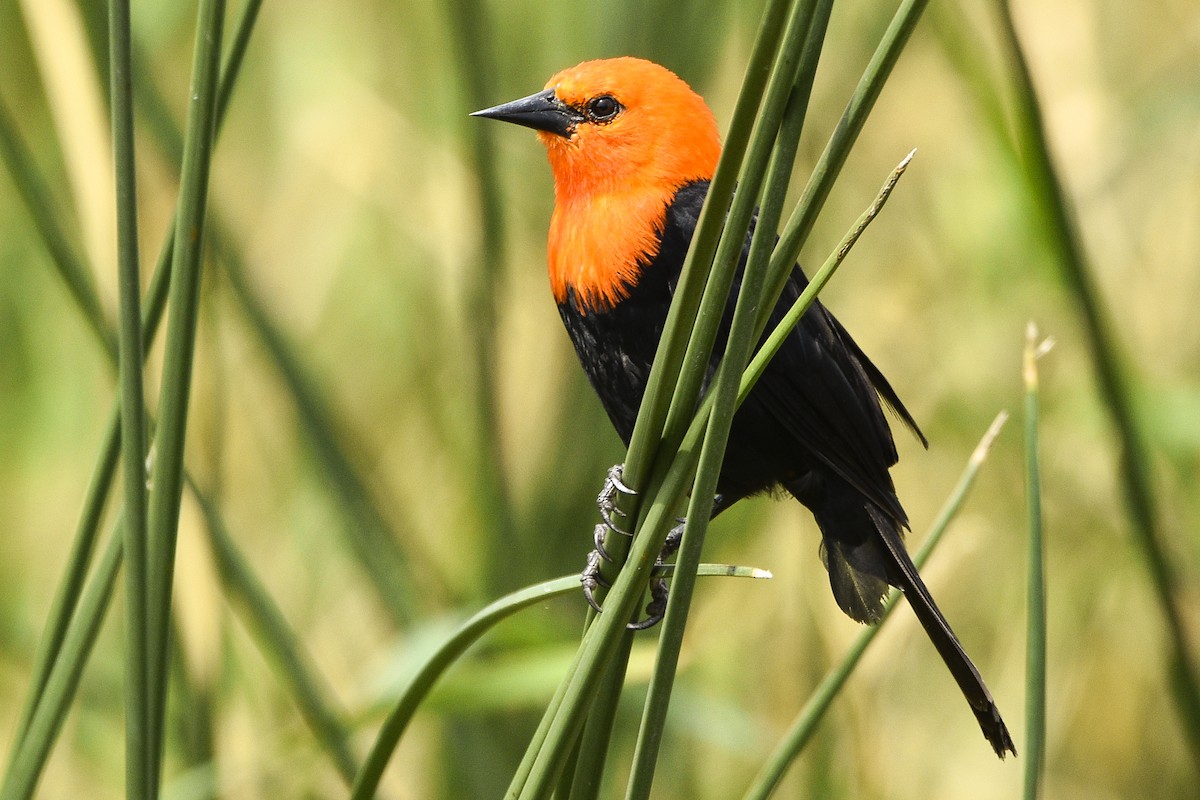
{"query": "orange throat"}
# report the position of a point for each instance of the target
(600, 243)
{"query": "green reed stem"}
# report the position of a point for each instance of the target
(1035, 648)
(564, 719)
(184, 299)
(838, 148)
(31, 753)
(811, 22)
(138, 749)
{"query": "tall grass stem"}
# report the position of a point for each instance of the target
(21, 779)
(545, 757)
(138, 748)
(810, 20)
(1035, 647)
(837, 149)
(184, 297)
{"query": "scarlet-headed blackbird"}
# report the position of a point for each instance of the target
(633, 149)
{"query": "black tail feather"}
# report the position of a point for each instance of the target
(943, 638)
(864, 552)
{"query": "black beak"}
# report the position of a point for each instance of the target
(542, 112)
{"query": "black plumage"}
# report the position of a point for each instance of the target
(814, 426)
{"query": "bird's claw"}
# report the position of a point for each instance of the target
(598, 535)
(592, 579)
(613, 482)
(656, 609)
(606, 513)
(606, 500)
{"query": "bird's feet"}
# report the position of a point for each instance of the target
(592, 579)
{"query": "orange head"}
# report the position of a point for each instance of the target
(623, 135)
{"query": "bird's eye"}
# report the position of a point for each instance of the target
(603, 108)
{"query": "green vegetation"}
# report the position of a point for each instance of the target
(387, 456)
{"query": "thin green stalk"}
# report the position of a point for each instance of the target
(1035, 647)
(563, 719)
(156, 111)
(33, 190)
(741, 341)
(184, 298)
(571, 769)
(733, 239)
(233, 60)
(695, 367)
(369, 534)
(70, 268)
(538, 740)
(1116, 387)
(138, 749)
(779, 334)
(240, 583)
(279, 644)
(833, 157)
(32, 185)
(367, 781)
(427, 675)
(805, 725)
(592, 750)
(22, 776)
(71, 585)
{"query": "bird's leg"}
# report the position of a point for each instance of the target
(673, 540)
(675, 535)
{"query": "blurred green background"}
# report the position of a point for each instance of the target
(444, 428)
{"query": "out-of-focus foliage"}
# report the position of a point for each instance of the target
(342, 183)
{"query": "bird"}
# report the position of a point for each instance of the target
(632, 150)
